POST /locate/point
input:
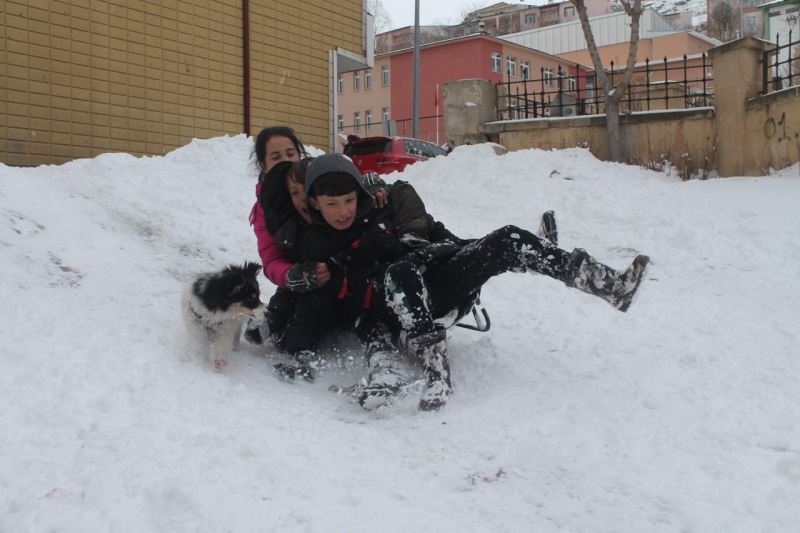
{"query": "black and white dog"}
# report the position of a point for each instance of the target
(214, 305)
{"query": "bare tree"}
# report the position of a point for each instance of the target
(723, 22)
(634, 9)
(383, 21)
(468, 8)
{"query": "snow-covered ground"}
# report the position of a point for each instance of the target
(681, 415)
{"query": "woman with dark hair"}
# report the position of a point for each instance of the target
(274, 145)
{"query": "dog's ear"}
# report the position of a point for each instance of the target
(252, 269)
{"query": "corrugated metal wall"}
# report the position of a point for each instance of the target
(607, 29)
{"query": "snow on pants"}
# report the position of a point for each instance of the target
(414, 300)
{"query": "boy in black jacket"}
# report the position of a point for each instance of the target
(401, 271)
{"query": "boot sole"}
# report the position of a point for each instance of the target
(549, 228)
(638, 269)
(371, 398)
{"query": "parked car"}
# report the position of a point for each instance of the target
(387, 154)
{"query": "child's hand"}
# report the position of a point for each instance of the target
(323, 273)
(380, 199)
(302, 277)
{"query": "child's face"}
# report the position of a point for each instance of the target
(338, 211)
(298, 195)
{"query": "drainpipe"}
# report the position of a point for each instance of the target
(246, 63)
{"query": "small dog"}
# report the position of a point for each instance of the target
(214, 304)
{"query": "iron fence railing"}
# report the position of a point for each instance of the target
(430, 128)
(780, 66)
(670, 84)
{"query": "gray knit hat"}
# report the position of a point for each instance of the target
(330, 164)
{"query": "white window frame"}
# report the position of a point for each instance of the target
(339, 122)
(530, 18)
(385, 75)
(340, 83)
(511, 66)
(386, 116)
(548, 76)
(356, 121)
(497, 62)
(525, 69)
(356, 81)
(367, 79)
(368, 118)
(569, 11)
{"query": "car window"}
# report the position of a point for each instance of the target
(368, 148)
(431, 150)
(414, 147)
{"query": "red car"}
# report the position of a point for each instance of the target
(387, 154)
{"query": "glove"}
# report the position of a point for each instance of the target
(414, 241)
(302, 277)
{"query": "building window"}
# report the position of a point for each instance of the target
(572, 84)
(548, 76)
(569, 11)
(385, 75)
(511, 66)
(340, 82)
(530, 18)
(368, 116)
(497, 59)
(385, 115)
(525, 69)
(356, 81)
(339, 122)
(367, 79)
(356, 121)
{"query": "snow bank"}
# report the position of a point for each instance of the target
(681, 415)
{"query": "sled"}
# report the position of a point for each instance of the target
(480, 316)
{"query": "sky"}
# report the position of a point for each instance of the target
(681, 415)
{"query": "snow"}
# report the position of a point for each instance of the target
(695, 7)
(680, 415)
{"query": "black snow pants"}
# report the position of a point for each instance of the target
(315, 314)
(414, 297)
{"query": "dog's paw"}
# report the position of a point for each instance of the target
(219, 363)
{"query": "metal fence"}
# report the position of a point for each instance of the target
(668, 84)
(431, 128)
(780, 66)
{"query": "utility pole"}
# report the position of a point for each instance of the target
(415, 96)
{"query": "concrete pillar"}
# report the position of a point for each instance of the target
(738, 75)
(468, 104)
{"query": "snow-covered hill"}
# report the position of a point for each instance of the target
(681, 415)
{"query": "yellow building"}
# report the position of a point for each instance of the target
(83, 77)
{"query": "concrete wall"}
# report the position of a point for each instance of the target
(773, 130)
(744, 134)
(684, 137)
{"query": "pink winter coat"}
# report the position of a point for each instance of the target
(272, 257)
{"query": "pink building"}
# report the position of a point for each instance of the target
(497, 19)
(365, 106)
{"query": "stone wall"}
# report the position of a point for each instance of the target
(745, 133)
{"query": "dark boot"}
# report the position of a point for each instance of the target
(548, 228)
(258, 331)
(431, 350)
(617, 288)
(386, 375)
(385, 379)
(301, 367)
